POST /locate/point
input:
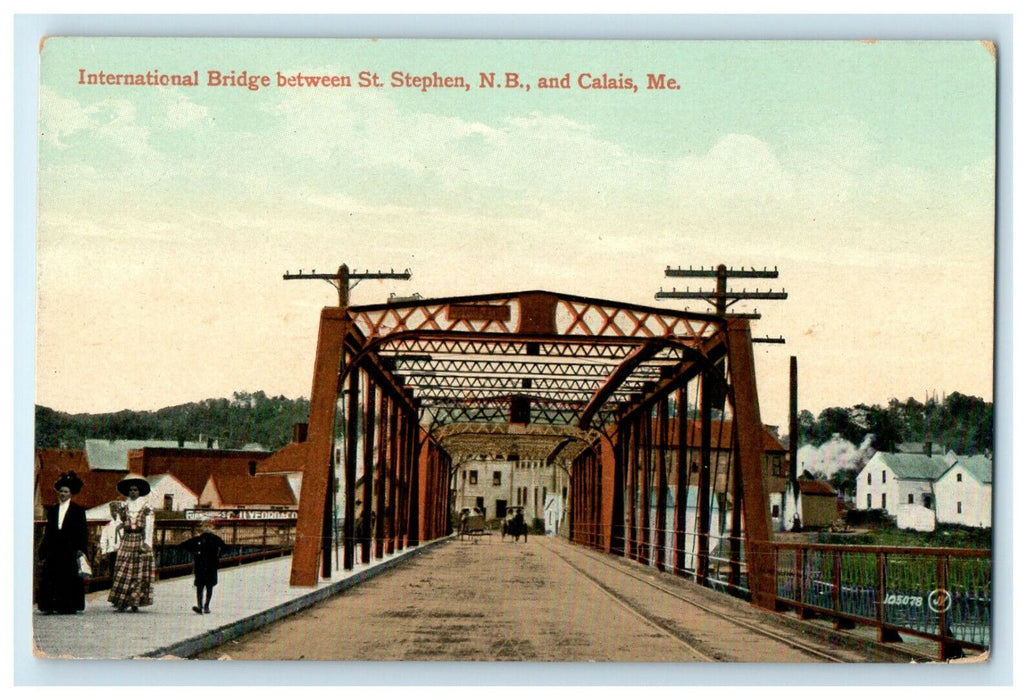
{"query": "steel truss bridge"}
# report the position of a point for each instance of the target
(610, 392)
(602, 388)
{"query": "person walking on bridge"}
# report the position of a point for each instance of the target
(64, 541)
(132, 585)
(206, 548)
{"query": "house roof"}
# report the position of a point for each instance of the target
(111, 455)
(98, 487)
(721, 435)
(254, 490)
(817, 488)
(979, 467)
(919, 448)
(193, 467)
(913, 466)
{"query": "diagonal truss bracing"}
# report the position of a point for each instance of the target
(527, 374)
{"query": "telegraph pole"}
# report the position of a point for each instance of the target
(721, 299)
(345, 280)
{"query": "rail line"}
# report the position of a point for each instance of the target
(673, 632)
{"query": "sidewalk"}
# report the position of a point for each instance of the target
(246, 598)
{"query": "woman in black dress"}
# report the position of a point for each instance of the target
(64, 539)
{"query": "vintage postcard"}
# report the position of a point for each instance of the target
(515, 350)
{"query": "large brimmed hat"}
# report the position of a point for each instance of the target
(71, 480)
(123, 486)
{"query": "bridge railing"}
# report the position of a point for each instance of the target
(935, 593)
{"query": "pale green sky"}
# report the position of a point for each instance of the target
(865, 171)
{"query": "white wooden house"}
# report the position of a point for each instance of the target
(900, 484)
(963, 493)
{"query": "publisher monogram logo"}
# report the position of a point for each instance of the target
(939, 600)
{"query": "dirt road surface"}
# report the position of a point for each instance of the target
(544, 600)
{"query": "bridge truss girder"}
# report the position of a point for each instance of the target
(424, 383)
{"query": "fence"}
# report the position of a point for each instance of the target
(246, 540)
(942, 594)
(938, 594)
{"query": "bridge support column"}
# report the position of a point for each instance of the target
(610, 488)
(759, 552)
(661, 487)
(423, 488)
(681, 477)
(318, 455)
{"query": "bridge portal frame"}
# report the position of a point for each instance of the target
(652, 353)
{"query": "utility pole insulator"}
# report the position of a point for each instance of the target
(342, 279)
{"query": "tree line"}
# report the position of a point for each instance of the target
(958, 422)
(963, 424)
(233, 423)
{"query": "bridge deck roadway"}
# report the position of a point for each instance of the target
(544, 600)
(489, 600)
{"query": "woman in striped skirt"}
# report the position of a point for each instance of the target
(132, 585)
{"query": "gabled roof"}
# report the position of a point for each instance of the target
(817, 488)
(912, 466)
(193, 467)
(272, 490)
(111, 455)
(978, 466)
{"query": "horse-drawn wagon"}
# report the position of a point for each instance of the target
(514, 525)
(472, 524)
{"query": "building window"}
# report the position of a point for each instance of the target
(911, 498)
(958, 477)
(168, 501)
(958, 507)
(868, 478)
(775, 511)
(868, 501)
(884, 476)
(473, 476)
(497, 478)
(564, 492)
(777, 466)
(536, 495)
(883, 501)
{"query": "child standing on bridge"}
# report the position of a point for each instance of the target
(206, 548)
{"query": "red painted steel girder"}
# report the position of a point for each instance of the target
(530, 312)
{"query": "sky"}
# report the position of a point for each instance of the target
(167, 217)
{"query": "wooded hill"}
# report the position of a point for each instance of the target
(247, 418)
(960, 423)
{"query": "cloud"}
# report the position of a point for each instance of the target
(180, 111)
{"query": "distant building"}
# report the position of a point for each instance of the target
(818, 503)
(913, 488)
(494, 482)
(962, 494)
(247, 492)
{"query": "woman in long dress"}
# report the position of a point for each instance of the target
(64, 539)
(132, 585)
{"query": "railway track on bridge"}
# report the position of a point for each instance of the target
(694, 627)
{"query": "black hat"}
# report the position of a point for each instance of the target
(71, 480)
(140, 483)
